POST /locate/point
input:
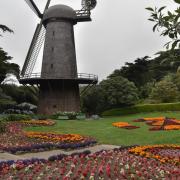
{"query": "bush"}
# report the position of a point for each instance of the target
(41, 116)
(66, 115)
(2, 126)
(165, 91)
(17, 117)
(6, 104)
(142, 108)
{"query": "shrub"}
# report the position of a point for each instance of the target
(41, 117)
(2, 126)
(66, 115)
(143, 108)
(6, 104)
(165, 91)
(17, 117)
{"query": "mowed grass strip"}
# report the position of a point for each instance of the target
(105, 133)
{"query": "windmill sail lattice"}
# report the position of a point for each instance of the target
(34, 50)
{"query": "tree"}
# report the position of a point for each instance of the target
(110, 93)
(137, 72)
(165, 91)
(21, 94)
(119, 92)
(93, 101)
(6, 67)
(170, 58)
(168, 23)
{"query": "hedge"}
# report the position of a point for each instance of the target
(6, 104)
(15, 117)
(142, 108)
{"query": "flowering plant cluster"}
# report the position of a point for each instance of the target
(161, 123)
(111, 164)
(52, 137)
(64, 115)
(15, 140)
(124, 125)
(163, 153)
(38, 122)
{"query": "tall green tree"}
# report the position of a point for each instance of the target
(93, 101)
(119, 92)
(137, 72)
(5, 66)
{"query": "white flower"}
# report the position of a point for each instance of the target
(69, 174)
(41, 174)
(127, 166)
(26, 169)
(47, 168)
(13, 166)
(122, 171)
(91, 177)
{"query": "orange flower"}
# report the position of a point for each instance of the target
(120, 124)
(38, 122)
(55, 137)
(154, 119)
(143, 151)
(172, 127)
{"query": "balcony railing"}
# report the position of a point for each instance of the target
(39, 76)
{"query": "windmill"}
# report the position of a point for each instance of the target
(58, 81)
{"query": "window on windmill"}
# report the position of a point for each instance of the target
(54, 106)
(52, 49)
(53, 33)
(51, 66)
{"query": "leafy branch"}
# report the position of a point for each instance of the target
(5, 29)
(168, 23)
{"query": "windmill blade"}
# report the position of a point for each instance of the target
(34, 8)
(34, 50)
(36, 43)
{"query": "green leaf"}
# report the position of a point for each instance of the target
(171, 35)
(177, 1)
(151, 20)
(170, 14)
(155, 26)
(150, 9)
(174, 44)
(160, 9)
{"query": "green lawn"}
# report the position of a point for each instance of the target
(105, 133)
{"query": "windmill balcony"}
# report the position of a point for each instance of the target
(35, 78)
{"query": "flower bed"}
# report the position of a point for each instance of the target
(38, 122)
(15, 140)
(124, 125)
(112, 164)
(161, 123)
(52, 137)
(163, 153)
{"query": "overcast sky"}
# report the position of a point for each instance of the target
(119, 33)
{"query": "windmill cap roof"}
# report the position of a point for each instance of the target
(59, 11)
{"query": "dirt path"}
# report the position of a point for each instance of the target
(47, 154)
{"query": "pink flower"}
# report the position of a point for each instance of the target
(108, 170)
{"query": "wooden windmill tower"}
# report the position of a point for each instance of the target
(58, 81)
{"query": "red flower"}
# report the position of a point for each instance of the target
(108, 170)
